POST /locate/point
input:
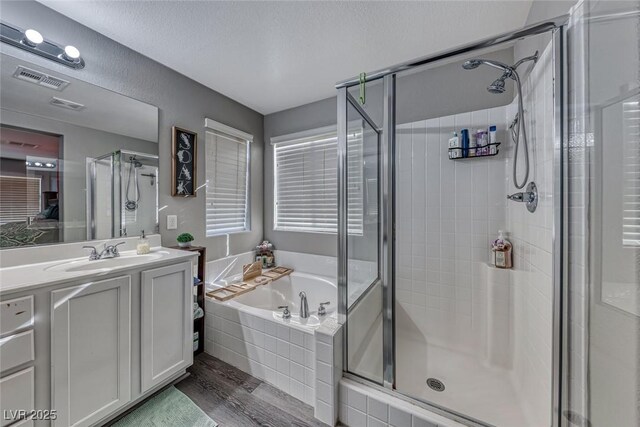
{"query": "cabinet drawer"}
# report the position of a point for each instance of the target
(17, 394)
(16, 314)
(16, 350)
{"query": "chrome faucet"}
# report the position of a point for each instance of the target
(304, 306)
(109, 251)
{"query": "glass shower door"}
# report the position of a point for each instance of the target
(361, 302)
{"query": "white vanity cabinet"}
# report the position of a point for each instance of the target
(115, 341)
(167, 323)
(80, 351)
(91, 350)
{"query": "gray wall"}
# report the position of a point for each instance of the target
(182, 102)
(436, 92)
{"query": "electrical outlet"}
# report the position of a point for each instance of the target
(172, 222)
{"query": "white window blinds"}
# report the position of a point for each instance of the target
(227, 171)
(306, 183)
(19, 198)
(631, 173)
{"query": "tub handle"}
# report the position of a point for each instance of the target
(285, 311)
(321, 310)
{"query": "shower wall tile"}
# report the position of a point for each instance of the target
(448, 214)
(531, 235)
(448, 211)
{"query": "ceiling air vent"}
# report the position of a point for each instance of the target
(41, 79)
(65, 103)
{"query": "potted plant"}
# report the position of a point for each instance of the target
(184, 240)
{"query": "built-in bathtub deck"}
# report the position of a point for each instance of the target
(232, 397)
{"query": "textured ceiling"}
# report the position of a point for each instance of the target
(272, 56)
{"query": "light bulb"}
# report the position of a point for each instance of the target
(71, 53)
(38, 164)
(49, 165)
(32, 37)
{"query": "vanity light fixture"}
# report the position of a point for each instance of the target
(32, 38)
(32, 41)
(71, 53)
(37, 164)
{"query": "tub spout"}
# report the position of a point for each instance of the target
(304, 306)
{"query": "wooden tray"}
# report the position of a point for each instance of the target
(222, 294)
(250, 271)
(277, 273)
(231, 291)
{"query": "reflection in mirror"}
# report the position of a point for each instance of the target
(618, 122)
(77, 161)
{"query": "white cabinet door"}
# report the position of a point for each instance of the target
(167, 323)
(90, 350)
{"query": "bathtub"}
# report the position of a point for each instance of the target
(250, 333)
(265, 300)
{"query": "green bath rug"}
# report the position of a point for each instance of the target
(170, 408)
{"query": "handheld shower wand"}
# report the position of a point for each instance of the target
(518, 126)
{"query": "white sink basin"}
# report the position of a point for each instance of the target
(124, 260)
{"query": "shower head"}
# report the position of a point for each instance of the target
(476, 62)
(497, 86)
(471, 64)
(135, 162)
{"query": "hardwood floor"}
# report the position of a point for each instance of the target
(234, 398)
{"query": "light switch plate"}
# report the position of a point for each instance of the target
(172, 222)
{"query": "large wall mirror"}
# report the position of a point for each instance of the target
(77, 161)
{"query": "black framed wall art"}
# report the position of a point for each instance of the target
(184, 155)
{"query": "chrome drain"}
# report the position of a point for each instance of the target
(435, 384)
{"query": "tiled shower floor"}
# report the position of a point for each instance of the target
(471, 388)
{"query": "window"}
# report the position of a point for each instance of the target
(306, 182)
(631, 172)
(19, 198)
(227, 172)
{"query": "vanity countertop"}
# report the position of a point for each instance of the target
(36, 275)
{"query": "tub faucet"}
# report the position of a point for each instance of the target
(304, 306)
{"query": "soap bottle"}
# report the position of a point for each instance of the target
(143, 247)
(501, 255)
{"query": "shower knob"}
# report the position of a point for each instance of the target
(529, 197)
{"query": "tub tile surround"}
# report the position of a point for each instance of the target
(271, 351)
(329, 347)
(362, 406)
(304, 363)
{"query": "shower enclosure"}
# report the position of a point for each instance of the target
(425, 314)
(554, 341)
(122, 195)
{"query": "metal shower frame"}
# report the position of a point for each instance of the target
(387, 176)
